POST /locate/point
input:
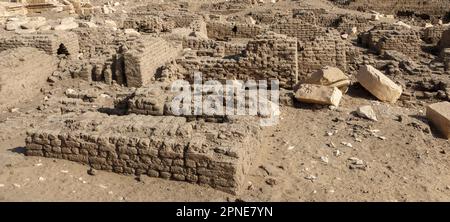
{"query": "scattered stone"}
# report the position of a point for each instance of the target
(367, 112)
(347, 144)
(378, 84)
(324, 159)
(271, 181)
(317, 94)
(439, 115)
(311, 177)
(336, 153)
(330, 76)
(41, 179)
(92, 172)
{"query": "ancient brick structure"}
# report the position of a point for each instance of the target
(48, 42)
(224, 30)
(392, 37)
(269, 56)
(401, 7)
(143, 61)
(218, 155)
(432, 35)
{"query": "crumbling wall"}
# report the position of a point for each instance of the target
(144, 59)
(445, 40)
(148, 23)
(325, 50)
(48, 42)
(217, 155)
(269, 56)
(432, 35)
(302, 30)
(417, 7)
(392, 37)
(225, 30)
(23, 72)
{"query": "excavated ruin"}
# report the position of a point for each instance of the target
(106, 70)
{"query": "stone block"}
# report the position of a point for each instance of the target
(378, 84)
(439, 115)
(325, 95)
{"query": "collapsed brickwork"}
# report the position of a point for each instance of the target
(222, 30)
(269, 56)
(433, 34)
(401, 7)
(317, 46)
(48, 42)
(142, 62)
(217, 155)
(392, 37)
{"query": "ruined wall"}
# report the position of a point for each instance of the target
(432, 35)
(270, 56)
(436, 8)
(387, 37)
(48, 42)
(445, 40)
(217, 155)
(23, 73)
(144, 59)
(224, 30)
(325, 50)
(302, 30)
(148, 23)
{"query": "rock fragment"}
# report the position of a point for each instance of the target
(325, 95)
(366, 112)
(439, 115)
(330, 76)
(378, 84)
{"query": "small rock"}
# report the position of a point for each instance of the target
(324, 159)
(92, 172)
(271, 181)
(347, 144)
(366, 112)
(336, 153)
(311, 177)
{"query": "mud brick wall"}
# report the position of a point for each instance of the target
(216, 155)
(303, 31)
(436, 8)
(382, 38)
(224, 30)
(445, 40)
(324, 50)
(267, 57)
(432, 35)
(48, 42)
(148, 23)
(144, 59)
(231, 48)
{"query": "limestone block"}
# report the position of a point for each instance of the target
(325, 95)
(378, 84)
(439, 115)
(330, 76)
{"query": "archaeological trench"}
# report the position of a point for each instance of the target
(95, 77)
